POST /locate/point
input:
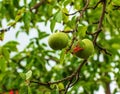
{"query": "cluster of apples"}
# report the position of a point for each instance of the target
(83, 48)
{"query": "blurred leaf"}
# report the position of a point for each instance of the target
(18, 17)
(52, 86)
(65, 18)
(5, 53)
(67, 29)
(23, 75)
(11, 23)
(3, 64)
(66, 2)
(28, 74)
(71, 23)
(48, 92)
(11, 45)
(110, 20)
(19, 14)
(65, 10)
(82, 31)
(16, 3)
(52, 25)
(58, 16)
(6, 2)
(57, 91)
(29, 90)
(105, 78)
(42, 34)
(62, 56)
(1, 35)
(116, 46)
(23, 90)
(61, 86)
(27, 20)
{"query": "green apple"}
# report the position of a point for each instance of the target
(84, 48)
(58, 41)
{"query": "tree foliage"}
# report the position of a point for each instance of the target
(97, 20)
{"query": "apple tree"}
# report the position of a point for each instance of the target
(78, 53)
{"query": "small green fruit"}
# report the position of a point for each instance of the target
(58, 40)
(84, 48)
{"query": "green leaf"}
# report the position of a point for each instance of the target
(6, 2)
(110, 20)
(21, 11)
(11, 23)
(82, 31)
(27, 20)
(18, 17)
(47, 92)
(3, 64)
(23, 76)
(11, 45)
(28, 74)
(77, 5)
(72, 23)
(16, 3)
(65, 18)
(53, 86)
(66, 2)
(67, 29)
(2, 35)
(62, 56)
(105, 79)
(61, 86)
(65, 10)
(5, 53)
(115, 46)
(19, 14)
(58, 16)
(52, 25)
(42, 34)
(57, 91)
(23, 90)
(29, 90)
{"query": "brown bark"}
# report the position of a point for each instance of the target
(107, 91)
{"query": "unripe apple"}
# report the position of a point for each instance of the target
(84, 48)
(58, 40)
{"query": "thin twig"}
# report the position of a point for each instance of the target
(5, 30)
(100, 21)
(73, 13)
(103, 49)
(116, 7)
(77, 22)
(99, 29)
(69, 78)
(67, 87)
(71, 44)
(82, 11)
(76, 80)
(37, 5)
(94, 7)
